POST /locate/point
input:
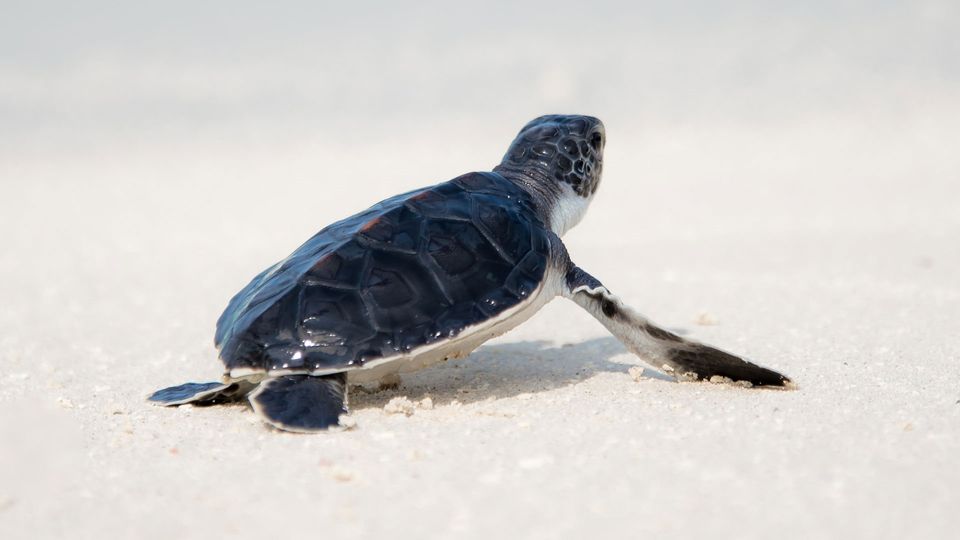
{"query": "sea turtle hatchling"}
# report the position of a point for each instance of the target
(430, 275)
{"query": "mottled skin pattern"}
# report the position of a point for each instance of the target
(432, 274)
(412, 270)
(568, 152)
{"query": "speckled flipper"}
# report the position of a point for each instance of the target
(686, 359)
(201, 393)
(302, 403)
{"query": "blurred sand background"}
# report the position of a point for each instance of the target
(780, 180)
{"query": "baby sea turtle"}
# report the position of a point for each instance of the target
(430, 275)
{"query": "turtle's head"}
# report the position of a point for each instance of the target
(561, 157)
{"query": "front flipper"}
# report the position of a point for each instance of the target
(201, 393)
(302, 403)
(686, 359)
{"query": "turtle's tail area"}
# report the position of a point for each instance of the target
(209, 393)
(683, 358)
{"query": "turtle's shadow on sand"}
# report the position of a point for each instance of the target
(507, 370)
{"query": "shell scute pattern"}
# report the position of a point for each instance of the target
(412, 270)
(498, 225)
(396, 230)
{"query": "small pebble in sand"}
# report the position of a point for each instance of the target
(717, 379)
(65, 403)
(348, 422)
(399, 405)
(426, 404)
(502, 413)
(636, 372)
(706, 319)
(341, 474)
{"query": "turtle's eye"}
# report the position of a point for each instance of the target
(596, 140)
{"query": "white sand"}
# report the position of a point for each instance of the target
(797, 202)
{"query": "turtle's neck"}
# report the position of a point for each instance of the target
(535, 183)
(558, 206)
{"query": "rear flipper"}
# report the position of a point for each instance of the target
(685, 359)
(209, 393)
(302, 403)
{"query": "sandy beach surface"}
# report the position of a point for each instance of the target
(782, 185)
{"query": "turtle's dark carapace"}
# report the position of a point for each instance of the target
(409, 271)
